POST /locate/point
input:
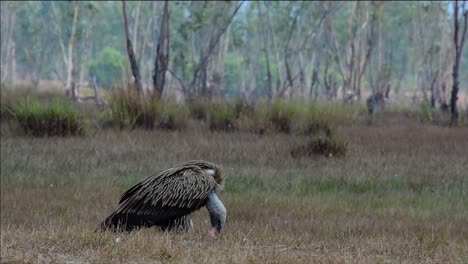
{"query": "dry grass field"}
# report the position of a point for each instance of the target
(399, 196)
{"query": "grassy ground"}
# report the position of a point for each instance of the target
(399, 196)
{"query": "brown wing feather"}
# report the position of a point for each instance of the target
(173, 192)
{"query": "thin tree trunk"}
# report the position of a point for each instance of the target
(301, 66)
(131, 54)
(7, 66)
(279, 75)
(314, 82)
(289, 77)
(84, 58)
(200, 72)
(458, 42)
(70, 84)
(162, 55)
(95, 88)
(58, 32)
(136, 27)
(266, 51)
(146, 35)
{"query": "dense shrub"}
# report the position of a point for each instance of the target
(56, 119)
(321, 146)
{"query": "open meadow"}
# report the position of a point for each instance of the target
(341, 130)
(400, 195)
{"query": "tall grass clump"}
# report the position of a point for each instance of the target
(129, 109)
(222, 116)
(320, 118)
(254, 118)
(281, 114)
(173, 116)
(6, 105)
(297, 117)
(199, 107)
(58, 118)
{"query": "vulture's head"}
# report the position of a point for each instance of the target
(211, 169)
(214, 205)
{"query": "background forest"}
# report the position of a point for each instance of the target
(230, 49)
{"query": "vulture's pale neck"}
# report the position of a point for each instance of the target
(217, 211)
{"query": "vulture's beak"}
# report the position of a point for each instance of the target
(214, 232)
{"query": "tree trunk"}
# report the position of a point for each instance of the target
(289, 78)
(71, 74)
(279, 74)
(314, 82)
(84, 59)
(144, 43)
(301, 66)
(95, 88)
(131, 54)
(162, 55)
(136, 27)
(7, 66)
(458, 42)
(266, 51)
(216, 67)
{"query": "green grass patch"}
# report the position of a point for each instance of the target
(59, 118)
(305, 186)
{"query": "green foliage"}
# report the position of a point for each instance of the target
(57, 119)
(108, 67)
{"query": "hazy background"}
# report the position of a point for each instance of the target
(324, 50)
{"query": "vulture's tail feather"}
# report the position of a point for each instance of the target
(125, 222)
(129, 222)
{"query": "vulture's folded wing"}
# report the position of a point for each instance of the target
(172, 193)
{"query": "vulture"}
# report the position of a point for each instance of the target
(167, 199)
